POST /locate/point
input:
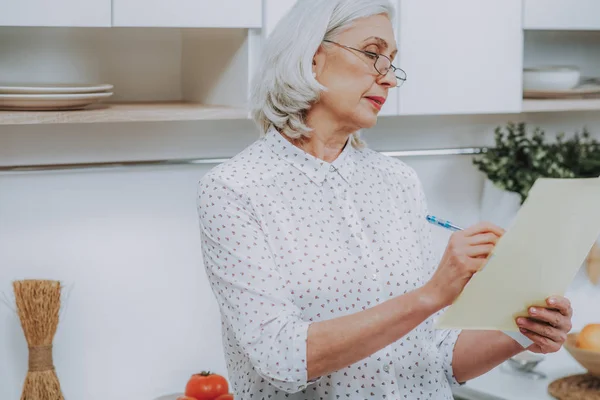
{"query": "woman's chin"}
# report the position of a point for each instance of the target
(359, 118)
(367, 121)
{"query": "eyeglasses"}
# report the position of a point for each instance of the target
(382, 63)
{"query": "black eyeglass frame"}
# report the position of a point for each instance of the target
(399, 80)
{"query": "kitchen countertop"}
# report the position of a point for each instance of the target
(501, 385)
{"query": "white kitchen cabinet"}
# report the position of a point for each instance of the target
(461, 56)
(76, 13)
(188, 13)
(273, 11)
(390, 108)
(561, 14)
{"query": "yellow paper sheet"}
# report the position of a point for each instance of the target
(537, 257)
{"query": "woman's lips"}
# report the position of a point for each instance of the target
(376, 101)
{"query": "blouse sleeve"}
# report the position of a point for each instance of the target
(445, 339)
(252, 295)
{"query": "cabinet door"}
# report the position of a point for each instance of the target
(274, 10)
(188, 13)
(562, 14)
(390, 108)
(461, 56)
(55, 13)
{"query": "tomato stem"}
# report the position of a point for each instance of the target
(205, 373)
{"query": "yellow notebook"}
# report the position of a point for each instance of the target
(537, 257)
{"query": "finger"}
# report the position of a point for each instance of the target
(552, 317)
(542, 329)
(483, 238)
(480, 250)
(562, 304)
(483, 227)
(546, 345)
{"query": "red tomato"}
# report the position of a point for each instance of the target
(228, 396)
(206, 386)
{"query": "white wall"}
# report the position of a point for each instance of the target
(140, 316)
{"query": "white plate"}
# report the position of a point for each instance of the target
(583, 90)
(54, 88)
(43, 102)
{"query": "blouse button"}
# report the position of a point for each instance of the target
(386, 368)
(331, 169)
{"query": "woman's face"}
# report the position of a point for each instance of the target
(355, 88)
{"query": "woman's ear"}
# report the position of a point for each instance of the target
(318, 62)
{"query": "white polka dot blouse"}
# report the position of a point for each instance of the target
(289, 239)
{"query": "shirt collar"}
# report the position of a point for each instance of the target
(314, 168)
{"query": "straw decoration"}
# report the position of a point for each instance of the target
(38, 306)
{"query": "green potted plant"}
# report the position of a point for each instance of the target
(519, 158)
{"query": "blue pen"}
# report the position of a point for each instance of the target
(443, 223)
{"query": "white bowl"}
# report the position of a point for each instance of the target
(550, 78)
(526, 360)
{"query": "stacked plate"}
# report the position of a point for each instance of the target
(556, 82)
(42, 97)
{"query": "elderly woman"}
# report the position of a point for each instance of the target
(317, 248)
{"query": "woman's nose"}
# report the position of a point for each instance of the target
(389, 79)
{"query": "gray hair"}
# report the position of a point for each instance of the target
(284, 87)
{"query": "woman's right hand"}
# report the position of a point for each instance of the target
(466, 253)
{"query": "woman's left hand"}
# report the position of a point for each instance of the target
(547, 326)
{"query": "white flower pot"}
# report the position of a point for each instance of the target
(498, 206)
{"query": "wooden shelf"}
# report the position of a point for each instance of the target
(185, 111)
(125, 112)
(554, 105)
